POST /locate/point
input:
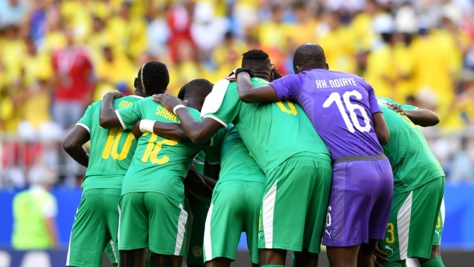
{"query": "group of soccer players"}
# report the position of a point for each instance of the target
(304, 158)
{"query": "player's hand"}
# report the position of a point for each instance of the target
(239, 70)
(380, 256)
(231, 76)
(275, 74)
(168, 101)
(136, 130)
(114, 94)
(396, 108)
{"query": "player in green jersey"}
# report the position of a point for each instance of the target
(415, 224)
(298, 175)
(111, 150)
(152, 189)
(235, 204)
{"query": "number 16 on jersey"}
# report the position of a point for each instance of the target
(353, 121)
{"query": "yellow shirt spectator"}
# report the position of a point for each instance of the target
(339, 47)
(112, 70)
(433, 68)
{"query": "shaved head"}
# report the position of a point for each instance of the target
(309, 56)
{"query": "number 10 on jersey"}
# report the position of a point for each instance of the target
(353, 122)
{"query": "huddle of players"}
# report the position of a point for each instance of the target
(292, 173)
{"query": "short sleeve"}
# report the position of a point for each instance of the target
(287, 87)
(50, 208)
(86, 120)
(229, 108)
(374, 105)
(129, 116)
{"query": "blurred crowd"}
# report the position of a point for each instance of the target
(58, 56)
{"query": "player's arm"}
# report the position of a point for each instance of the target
(108, 118)
(247, 92)
(422, 117)
(166, 130)
(197, 132)
(73, 145)
(381, 128)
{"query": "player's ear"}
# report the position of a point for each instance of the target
(297, 69)
(327, 66)
(135, 83)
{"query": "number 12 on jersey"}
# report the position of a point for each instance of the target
(353, 121)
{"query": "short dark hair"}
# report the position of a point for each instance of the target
(258, 61)
(153, 78)
(195, 88)
(309, 56)
(254, 54)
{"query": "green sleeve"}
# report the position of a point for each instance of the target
(86, 120)
(409, 107)
(129, 116)
(403, 106)
(229, 108)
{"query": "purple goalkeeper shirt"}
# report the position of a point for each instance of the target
(340, 106)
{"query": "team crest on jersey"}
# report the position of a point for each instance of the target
(197, 251)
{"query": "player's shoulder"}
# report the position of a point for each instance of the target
(127, 101)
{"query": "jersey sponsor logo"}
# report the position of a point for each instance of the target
(389, 248)
(197, 251)
(163, 112)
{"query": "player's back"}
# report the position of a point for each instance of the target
(111, 150)
(159, 164)
(273, 132)
(236, 161)
(340, 106)
(411, 158)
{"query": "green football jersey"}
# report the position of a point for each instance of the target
(412, 161)
(236, 162)
(111, 150)
(159, 164)
(273, 132)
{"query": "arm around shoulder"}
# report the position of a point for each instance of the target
(381, 128)
(108, 118)
(422, 117)
(249, 93)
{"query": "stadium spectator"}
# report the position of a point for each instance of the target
(12, 12)
(34, 212)
(74, 85)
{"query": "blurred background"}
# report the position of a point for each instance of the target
(57, 57)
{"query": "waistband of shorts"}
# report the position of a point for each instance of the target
(103, 191)
(359, 158)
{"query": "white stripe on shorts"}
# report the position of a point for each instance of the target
(118, 232)
(268, 211)
(112, 246)
(70, 239)
(183, 217)
(403, 225)
(207, 236)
